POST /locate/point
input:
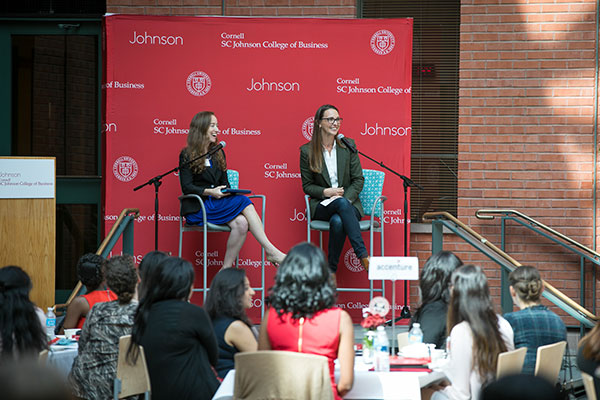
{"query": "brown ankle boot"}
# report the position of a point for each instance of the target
(365, 263)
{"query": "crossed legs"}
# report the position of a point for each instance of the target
(343, 220)
(249, 220)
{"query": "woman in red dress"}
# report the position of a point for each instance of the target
(302, 316)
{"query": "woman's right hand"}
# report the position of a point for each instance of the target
(331, 192)
(216, 192)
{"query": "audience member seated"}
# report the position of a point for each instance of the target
(520, 387)
(477, 336)
(534, 324)
(90, 271)
(435, 295)
(588, 356)
(302, 316)
(226, 304)
(150, 261)
(178, 339)
(95, 366)
(22, 324)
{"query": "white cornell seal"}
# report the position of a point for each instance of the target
(307, 128)
(198, 83)
(352, 262)
(383, 42)
(125, 168)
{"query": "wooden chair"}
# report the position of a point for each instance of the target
(549, 360)
(131, 379)
(510, 362)
(281, 375)
(402, 340)
(588, 384)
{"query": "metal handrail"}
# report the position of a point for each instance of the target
(489, 214)
(557, 293)
(101, 249)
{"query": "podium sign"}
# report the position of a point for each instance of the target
(394, 268)
(27, 178)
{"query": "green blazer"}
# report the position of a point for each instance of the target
(350, 177)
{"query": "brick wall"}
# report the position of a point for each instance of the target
(257, 8)
(526, 129)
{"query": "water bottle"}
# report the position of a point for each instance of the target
(416, 334)
(382, 351)
(50, 323)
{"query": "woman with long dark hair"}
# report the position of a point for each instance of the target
(95, 367)
(21, 322)
(302, 316)
(150, 261)
(207, 177)
(435, 295)
(332, 177)
(178, 339)
(477, 336)
(534, 324)
(226, 304)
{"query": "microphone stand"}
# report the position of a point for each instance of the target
(157, 181)
(405, 313)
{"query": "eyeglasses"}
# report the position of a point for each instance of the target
(332, 120)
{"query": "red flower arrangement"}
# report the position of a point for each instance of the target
(371, 321)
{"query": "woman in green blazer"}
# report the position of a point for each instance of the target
(332, 177)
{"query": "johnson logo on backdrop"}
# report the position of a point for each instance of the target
(198, 83)
(352, 86)
(263, 85)
(307, 128)
(241, 132)
(160, 40)
(393, 217)
(352, 262)
(110, 127)
(383, 42)
(168, 127)
(122, 85)
(299, 216)
(279, 171)
(376, 130)
(125, 168)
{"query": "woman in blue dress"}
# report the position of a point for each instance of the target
(206, 177)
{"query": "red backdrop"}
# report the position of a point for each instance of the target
(264, 79)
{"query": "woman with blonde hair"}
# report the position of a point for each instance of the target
(477, 336)
(207, 177)
(534, 324)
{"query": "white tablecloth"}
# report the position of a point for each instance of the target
(367, 385)
(61, 358)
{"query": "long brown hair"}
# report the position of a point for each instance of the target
(527, 283)
(199, 143)
(591, 344)
(470, 301)
(315, 153)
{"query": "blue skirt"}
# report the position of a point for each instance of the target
(220, 211)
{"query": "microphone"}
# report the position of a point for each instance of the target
(216, 148)
(347, 143)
